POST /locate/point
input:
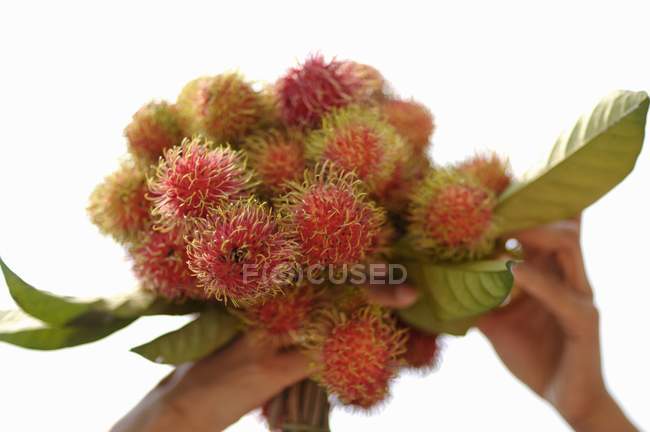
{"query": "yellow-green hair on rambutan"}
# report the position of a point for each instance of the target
(412, 120)
(155, 128)
(195, 178)
(332, 218)
(358, 140)
(277, 157)
(357, 353)
(451, 216)
(118, 206)
(223, 107)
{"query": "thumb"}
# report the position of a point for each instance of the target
(488, 324)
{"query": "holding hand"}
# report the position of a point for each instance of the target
(215, 392)
(549, 336)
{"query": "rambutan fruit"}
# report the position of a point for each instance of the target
(357, 139)
(412, 120)
(358, 354)
(242, 253)
(160, 263)
(409, 172)
(332, 219)
(277, 157)
(451, 216)
(422, 349)
(155, 128)
(118, 206)
(490, 170)
(316, 87)
(192, 179)
(224, 107)
(374, 83)
(285, 316)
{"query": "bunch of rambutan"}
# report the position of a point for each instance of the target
(262, 199)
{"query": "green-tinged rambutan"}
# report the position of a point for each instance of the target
(422, 349)
(277, 157)
(357, 355)
(332, 219)
(412, 120)
(451, 216)
(374, 83)
(160, 262)
(316, 87)
(192, 179)
(155, 128)
(285, 316)
(118, 206)
(490, 170)
(224, 107)
(357, 139)
(242, 253)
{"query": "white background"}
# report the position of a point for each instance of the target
(506, 76)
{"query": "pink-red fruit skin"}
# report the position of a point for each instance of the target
(118, 206)
(358, 356)
(242, 253)
(316, 87)
(223, 107)
(192, 179)
(357, 139)
(285, 316)
(332, 219)
(412, 120)
(422, 349)
(155, 128)
(490, 170)
(277, 158)
(160, 263)
(452, 216)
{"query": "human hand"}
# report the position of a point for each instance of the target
(215, 392)
(548, 337)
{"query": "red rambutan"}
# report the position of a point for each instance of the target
(490, 170)
(160, 262)
(284, 316)
(241, 252)
(422, 349)
(154, 129)
(357, 357)
(356, 139)
(333, 220)
(412, 120)
(311, 90)
(277, 157)
(119, 206)
(451, 216)
(224, 107)
(192, 179)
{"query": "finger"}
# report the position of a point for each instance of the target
(561, 239)
(567, 305)
(268, 377)
(392, 296)
(563, 234)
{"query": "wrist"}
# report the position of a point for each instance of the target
(603, 414)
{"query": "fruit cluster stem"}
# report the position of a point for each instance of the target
(303, 407)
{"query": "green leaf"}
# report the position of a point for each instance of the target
(452, 296)
(61, 310)
(585, 164)
(212, 329)
(18, 328)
